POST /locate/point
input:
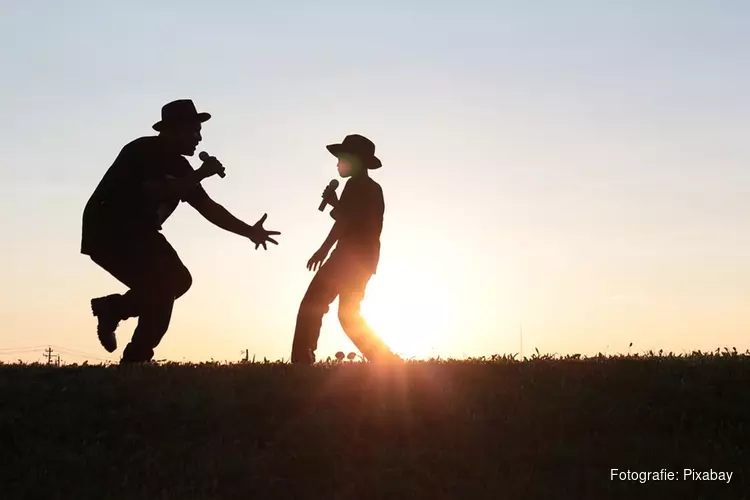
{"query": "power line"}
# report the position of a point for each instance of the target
(48, 354)
(19, 349)
(22, 351)
(75, 352)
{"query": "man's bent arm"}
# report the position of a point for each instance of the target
(220, 217)
(175, 188)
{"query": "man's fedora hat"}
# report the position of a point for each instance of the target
(360, 146)
(179, 112)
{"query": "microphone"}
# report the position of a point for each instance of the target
(205, 156)
(331, 185)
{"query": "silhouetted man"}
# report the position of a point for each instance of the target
(356, 233)
(123, 219)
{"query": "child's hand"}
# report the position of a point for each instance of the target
(317, 259)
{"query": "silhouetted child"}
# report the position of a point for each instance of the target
(356, 233)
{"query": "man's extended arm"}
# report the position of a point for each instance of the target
(220, 216)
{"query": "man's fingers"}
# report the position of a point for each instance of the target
(273, 241)
(272, 233)
(263, 219)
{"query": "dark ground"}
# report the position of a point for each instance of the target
(468, 430)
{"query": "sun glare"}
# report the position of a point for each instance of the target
(413, 315)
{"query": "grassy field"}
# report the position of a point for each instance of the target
(475, 429)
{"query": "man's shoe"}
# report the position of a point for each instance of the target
(133, 355)
(105, 311)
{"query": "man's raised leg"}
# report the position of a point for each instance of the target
(111, 309)
(156, 276)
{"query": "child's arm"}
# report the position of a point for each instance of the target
(322, 253)
(332, 238)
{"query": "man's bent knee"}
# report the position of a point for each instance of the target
(182, 283)
(167, 287)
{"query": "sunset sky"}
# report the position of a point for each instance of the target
(579, 168)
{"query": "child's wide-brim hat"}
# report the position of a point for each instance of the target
(359, 146)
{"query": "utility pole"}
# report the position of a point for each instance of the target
(247, 355)
(521, 335)
(57, 363)
(48, 355)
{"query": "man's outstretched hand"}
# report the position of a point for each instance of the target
(260, 236)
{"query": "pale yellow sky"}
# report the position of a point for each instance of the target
(580, 171)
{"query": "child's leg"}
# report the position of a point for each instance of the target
(315, 304)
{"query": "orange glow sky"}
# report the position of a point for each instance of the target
(581, 171)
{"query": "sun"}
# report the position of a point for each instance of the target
(410, 311)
